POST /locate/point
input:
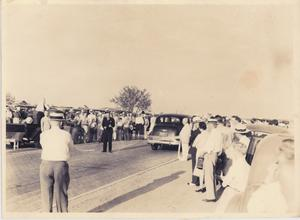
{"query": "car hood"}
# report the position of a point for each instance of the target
(268, 129)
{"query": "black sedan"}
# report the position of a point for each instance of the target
(166, 130)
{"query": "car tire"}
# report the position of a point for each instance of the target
(154, 146)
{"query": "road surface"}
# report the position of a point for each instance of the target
(90, 169)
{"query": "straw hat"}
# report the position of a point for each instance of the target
(241, 128)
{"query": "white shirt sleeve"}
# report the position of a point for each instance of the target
(70, 141)
(217, 142)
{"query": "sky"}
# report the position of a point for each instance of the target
(222, 59)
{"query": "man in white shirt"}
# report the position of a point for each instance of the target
(126, 124)
(92, 124)
(84, 124)
(9, 115)
(120, 128)
(91, 117)
(54, 169)
(152, 123)
(200, 143)
(227, 133)
(139, 122)
(146, 125)
(184, 136)
(99, 127)
(213, 149)
(45, 122)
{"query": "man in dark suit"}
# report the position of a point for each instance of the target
(108, 124)
(193, 150)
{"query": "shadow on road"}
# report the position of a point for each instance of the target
(88, 169)
(168, 148)
(130, 195)
(219, 193)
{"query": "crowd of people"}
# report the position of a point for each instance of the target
(85, 125)
(216, 145)
(217, 148)
(19, 115)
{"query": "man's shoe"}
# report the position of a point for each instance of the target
(104, 151)
(201, 190)
(209, 200)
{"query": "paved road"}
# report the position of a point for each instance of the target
(89, 169)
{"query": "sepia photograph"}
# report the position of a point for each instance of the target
(156, 108)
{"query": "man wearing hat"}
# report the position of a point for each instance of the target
(45, 122)
(139, 123)
(108, 124)
(70, 118)
(193, 150)
(54, 168)
(212, 149)
(92, 124)
(184, 135)
(9, 115)
(77, 128)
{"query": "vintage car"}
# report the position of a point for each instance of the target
(166, 130)
(264, 151)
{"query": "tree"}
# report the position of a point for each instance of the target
(133, 99)
(10, 99)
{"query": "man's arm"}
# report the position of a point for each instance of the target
(113, 123)
(220, 144)
(42, 139)
(104, 123)
(70, 142)
(42, 124)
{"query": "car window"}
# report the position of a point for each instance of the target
(175, 120)
(168, 120)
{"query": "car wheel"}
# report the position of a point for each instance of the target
(154, 146)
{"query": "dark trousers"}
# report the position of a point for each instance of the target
(99, 134)
(75, 135)
(107, 138)
(193, 152)
(139, 130)
(54, 181)
(92, 135)
(119, 133)
(130, 134)
(126, 134)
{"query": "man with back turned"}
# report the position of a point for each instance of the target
(108, 124)
(54, 168)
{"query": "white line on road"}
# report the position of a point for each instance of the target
(123, 179)
(128, 145)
